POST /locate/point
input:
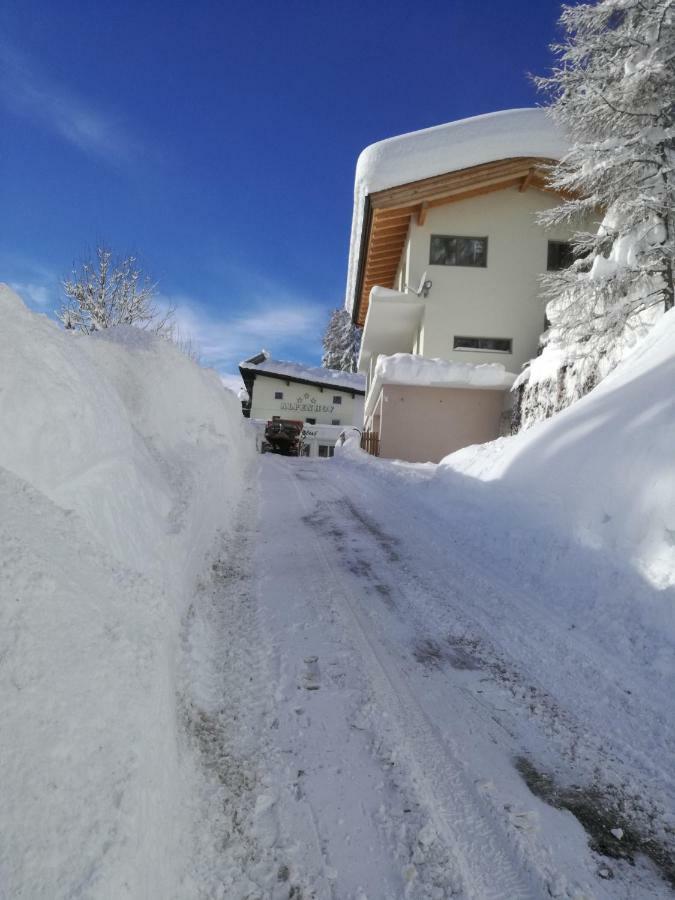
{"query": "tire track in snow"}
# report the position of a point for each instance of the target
(575, 724)
(487, 862)
(225, 701)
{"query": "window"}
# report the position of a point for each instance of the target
(310, 421)
(497, 345)
(560, 256)
(278, 395)
(449, 250)
(337, 400)
(335, 422)
(326, 451)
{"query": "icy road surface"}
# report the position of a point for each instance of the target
(385, 690)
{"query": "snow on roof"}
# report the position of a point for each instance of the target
(448, 148)
(422, 371)
(407, 368)
(313, 374)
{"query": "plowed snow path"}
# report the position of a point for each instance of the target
(393, 720)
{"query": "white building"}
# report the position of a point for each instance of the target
(325, 400)
(444, 263)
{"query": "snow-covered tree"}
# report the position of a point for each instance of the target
(341, 342)
(613, 91)
(107, 292)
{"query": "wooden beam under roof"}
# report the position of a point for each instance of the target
(391, 210)
(413, 193)
(526, 181)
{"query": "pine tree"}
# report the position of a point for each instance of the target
(613, 92)
(341, 342)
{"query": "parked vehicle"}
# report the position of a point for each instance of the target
(284, 436)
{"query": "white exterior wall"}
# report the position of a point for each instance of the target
(501, 300)
(303, 401)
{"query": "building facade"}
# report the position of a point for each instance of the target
(445, 263)
(325, 400)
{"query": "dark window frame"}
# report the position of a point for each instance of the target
(310, 421)
(558, 259)
(459, 237)
(465, 339)
(337, 399)
(335, 422)
(278, 395)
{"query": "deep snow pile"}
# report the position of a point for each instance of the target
(119, 461)
(603, 470)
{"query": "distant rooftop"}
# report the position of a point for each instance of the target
(278, 368)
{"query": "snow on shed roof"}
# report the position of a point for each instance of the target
(312, 374)
(447, 148)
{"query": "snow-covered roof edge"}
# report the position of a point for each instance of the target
(307, 374)
(422, 371)
(447, 148)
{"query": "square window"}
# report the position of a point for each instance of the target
(337, 400)
(310, 421)
(323, 450)
(453, 250)
(278, 395)
(335, 422)
(560, 256)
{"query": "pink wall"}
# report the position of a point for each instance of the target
(424, 424)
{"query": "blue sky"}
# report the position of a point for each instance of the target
(217, 140)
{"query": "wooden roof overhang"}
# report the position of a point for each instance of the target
(388, 213)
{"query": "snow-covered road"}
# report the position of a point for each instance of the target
(392, 694)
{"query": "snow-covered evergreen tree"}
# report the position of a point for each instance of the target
(613, 92)
(107, 292)
(341, 342)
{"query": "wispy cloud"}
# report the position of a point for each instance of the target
(33, 294)
(225, 340)
(276, 320)
(260, 312)
(27, 91)
(36, 284)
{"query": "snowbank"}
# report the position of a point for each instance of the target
(119, 461)
(408, 368)
(603, 470)
(315, 374)
(448, 148)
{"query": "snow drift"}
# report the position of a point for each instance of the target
(119, 461)
(603, 470)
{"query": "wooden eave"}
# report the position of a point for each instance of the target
(388, 214)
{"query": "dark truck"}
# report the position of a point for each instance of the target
(283, 436)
